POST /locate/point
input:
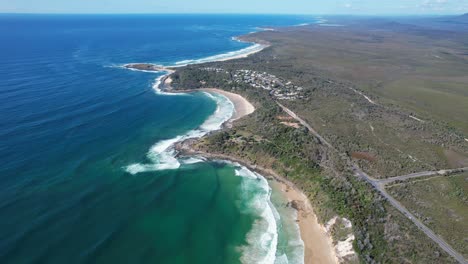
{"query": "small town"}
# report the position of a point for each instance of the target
(279, 88)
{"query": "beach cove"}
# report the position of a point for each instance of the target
(317, 243)
(318, 247)
(104, 174)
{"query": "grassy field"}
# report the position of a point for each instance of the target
(413, 120)
(382, 234)
(441, 203)
(421, 70)
(408, 72)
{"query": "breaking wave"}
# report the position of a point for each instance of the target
(225, 56)
(157, 85)
(263, 237)
(162, 155)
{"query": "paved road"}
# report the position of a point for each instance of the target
(379, 185)
(421, 174)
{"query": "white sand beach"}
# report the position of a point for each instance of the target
(241, 105)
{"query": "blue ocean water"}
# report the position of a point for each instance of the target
(72, 122)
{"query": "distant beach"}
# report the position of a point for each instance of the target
(238, 54)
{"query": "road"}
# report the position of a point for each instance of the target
(304, 123)
(379, 185)
(421, 174)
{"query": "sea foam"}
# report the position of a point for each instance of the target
(157, 84)
(225, 56)
(162, 155)
(262, 239)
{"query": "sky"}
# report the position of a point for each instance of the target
(358, 7)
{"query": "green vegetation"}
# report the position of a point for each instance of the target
(396, 143)
(293, 153)
(336, 67)
(441, 203)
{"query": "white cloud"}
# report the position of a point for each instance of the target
(435, 4)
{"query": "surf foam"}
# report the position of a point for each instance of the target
(225, 56)
(262, 239)
(162, 154)
(157, 85)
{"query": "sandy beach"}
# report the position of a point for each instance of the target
(318, 245)
(245, 54)
(241, 105)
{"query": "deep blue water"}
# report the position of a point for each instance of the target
(71, 122)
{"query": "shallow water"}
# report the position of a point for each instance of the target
(72, 123)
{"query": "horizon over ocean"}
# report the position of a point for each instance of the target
(88, 173)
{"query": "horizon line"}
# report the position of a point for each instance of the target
(233, 13)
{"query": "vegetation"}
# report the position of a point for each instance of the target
(293, 153)
(441, 203)
(352, 96)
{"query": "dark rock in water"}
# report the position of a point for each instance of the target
(145, 67)
(298, 205)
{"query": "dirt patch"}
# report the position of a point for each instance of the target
(285, 118)
(455, 159)
(363, 156)
(291, 124)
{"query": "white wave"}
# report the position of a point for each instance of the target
(263, 237)
(225, 56)
(331, 25)
(295, 242)
(270, 217)
(265, 29)
(157, 84)
(137, 70)
(321, 20)
(120, 66)
(192, 160)
(244, 172)
(157, 81)
(283, 259)
(157, 89)
(162, 154)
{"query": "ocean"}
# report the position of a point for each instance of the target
(88, 173)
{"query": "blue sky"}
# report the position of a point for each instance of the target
(238, 6)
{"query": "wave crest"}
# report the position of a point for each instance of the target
(262, 239)
(225, 56)
(162, 155)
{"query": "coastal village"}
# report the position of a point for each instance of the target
(279, 88)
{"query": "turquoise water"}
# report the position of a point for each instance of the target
(88, 174)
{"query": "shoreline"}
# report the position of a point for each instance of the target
(232, 55)
(318, 245)
(242, 107)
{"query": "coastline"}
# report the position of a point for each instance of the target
(169, 69)
(318, 245)
(242, 107)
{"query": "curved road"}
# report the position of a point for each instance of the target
(379, 185)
